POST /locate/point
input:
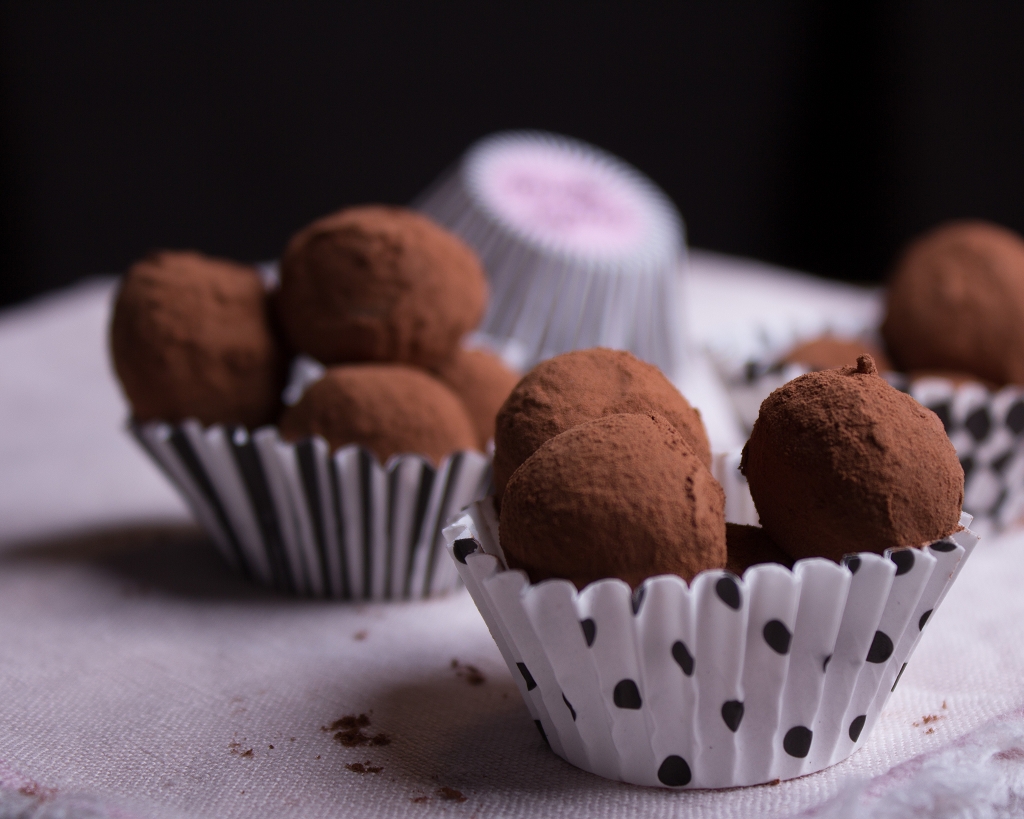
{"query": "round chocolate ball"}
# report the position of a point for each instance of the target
(379, 283)
(748, 546)
(620, 496)
(580, 386)
(840, 462)
(956, 302)
(190, 338)
(483, 382)
(387, 408)
(828, 352)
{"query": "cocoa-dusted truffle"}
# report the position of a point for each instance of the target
(190, 338)
(956, 302)
(379, 283)
(839, 462)
(579, 386)
(828, 352)
(747, 546)
(483, 382)
(621, 496)
(387, 408)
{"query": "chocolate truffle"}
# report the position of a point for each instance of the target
(839, 462)
(387, 408)
(956, 302)
(828, 352)
(483, 382)
(569, 389)
(190, 338)
(747, 546)
(379, 283)
(620, 496)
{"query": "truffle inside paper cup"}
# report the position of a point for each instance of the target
(839, 462)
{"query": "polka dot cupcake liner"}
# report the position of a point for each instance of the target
(581, 249)
(986, 427)
(312, 523)
(724, 682)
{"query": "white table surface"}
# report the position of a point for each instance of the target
(137, 673)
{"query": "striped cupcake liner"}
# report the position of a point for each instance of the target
(550, 291)
(314, 523)
(724, 682)
(986, 428)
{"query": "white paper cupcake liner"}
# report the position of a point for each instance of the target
(986, 428)
(582, 250)
(726, 682)
(312, 523)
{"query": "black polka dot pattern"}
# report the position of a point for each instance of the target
(797, 741)
(543, 734)
(857, 726)
(945, 413)
(979, 423)
(777, 636)
(530, 682)
(674, 772)
(852, 562)
(627, 695)
(904, 560)
(923, 620)
(943, 545)
(463, 547)
(681, 654)
(728, 592)
(897, 680)
(589, 631)
(1015, 417)
(638, 598)
(569, 706)
(881, 648)
(967, 465)
(1000, 463)
(732, 714)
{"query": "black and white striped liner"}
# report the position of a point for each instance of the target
(312, 523)
(548, 296)
(986, 427)
(726, 682)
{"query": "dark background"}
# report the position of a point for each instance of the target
(814, 135)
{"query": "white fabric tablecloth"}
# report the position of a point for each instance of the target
(140, 678)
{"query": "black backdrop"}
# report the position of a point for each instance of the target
(814, 135)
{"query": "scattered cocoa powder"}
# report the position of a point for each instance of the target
(450, 794)
(348, 730)
(363, 767)
(840, 462)
(470, 673)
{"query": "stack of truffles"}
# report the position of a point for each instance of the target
(381, 296)
(602, 470)
(345, 492)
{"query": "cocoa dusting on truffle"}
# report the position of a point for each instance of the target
(748, 546)
(483, 382)
(828, 352)
(348, 730)
(190, 338)
(580, 386)
(387, 408)
(621, 496)
(839, 462)
(956, 302)
(379, 283)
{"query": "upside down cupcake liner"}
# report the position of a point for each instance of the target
(724, 682)
(581, 249)
(985, 426)
(312, 523)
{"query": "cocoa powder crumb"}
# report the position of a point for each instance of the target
(420, 799)
(246, 754)
(470, 673)
(349, 732)
(359, 635)
(450, 794)
(363, 767)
